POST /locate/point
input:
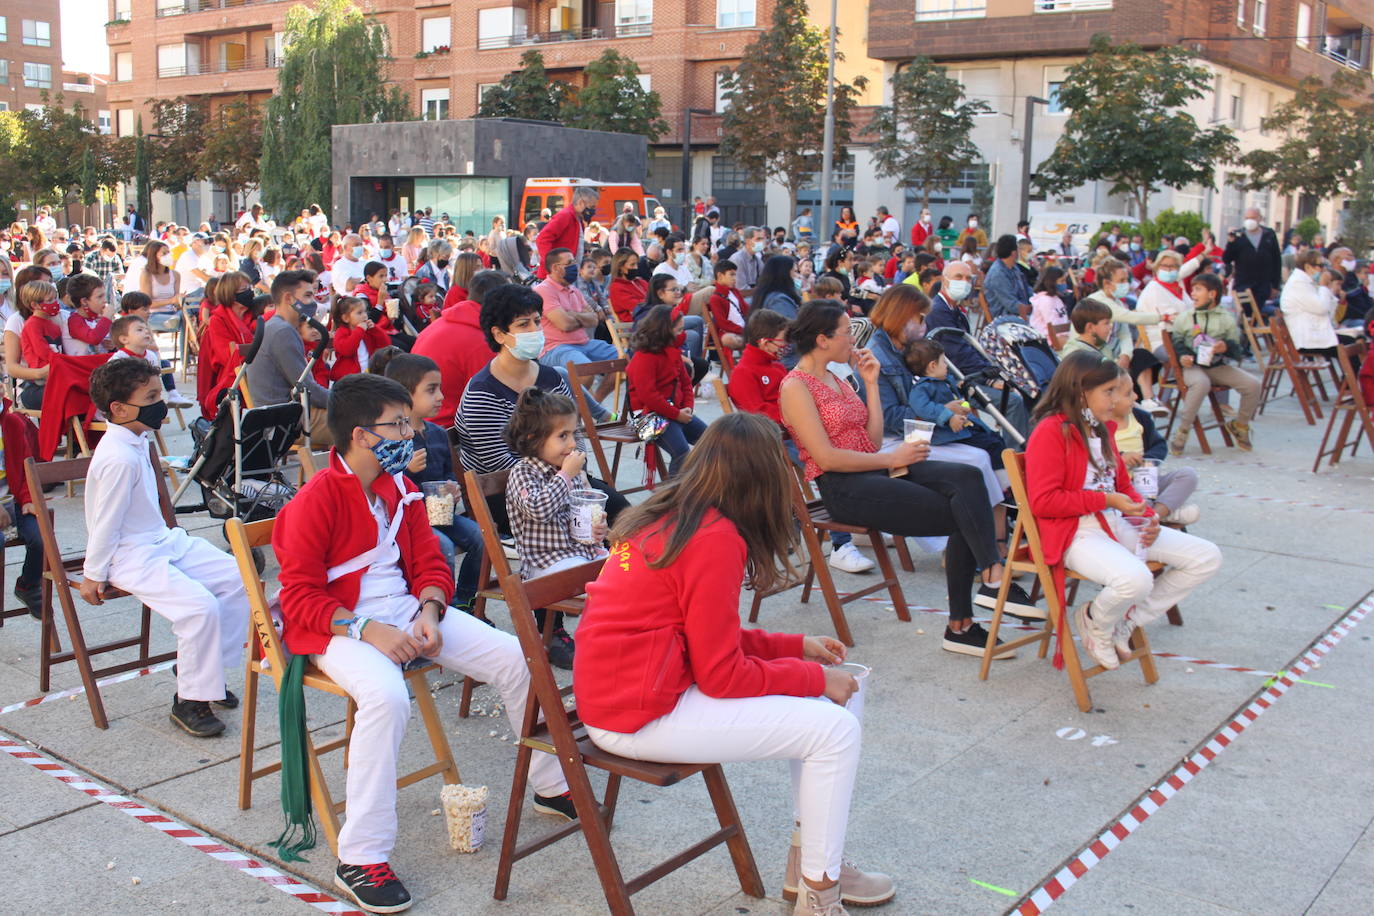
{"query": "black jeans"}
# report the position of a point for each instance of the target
(934, 498)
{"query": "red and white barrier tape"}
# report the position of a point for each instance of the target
(193, 838)
(1043, 896)
(77, 691)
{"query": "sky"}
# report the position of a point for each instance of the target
(83, 36)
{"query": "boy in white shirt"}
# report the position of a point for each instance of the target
(130, 546)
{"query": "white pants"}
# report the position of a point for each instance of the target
(1126, 581)
(821, 739)
(198, 589)
(376, 684)
(970, 454)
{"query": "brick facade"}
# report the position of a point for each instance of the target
(15, 51)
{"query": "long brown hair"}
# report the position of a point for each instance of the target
(1080, 372)
(899, 304)
(152, 256)
(737, 467)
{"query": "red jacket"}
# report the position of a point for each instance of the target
(220, 356)
(374, 298)
(455, 341)
(79, 326)
(659, 382)
(720, 308)
(1367, 380)
(320, 370)
(455, 295)
(754, 385)
(336, 525)
(919, 233)
(21, 441)
(562, 231)
(648, 634)
(626, 295)
(346, 343)
(39, 340)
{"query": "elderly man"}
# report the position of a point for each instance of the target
(435, 269)
(947, 311)
(1255, 259)
(347, 270)
(566, 229)
(749, 261)
(188, 266)
(1007, 291)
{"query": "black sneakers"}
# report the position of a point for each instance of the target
(972, 642)
(557, 805)
(195, 717)
(1018, 603)
(561, 650)
(32, 596)
(374, 888)
(229, 702)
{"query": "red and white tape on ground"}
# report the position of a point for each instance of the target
(172, 828)
(77, 691)
(1043, 896)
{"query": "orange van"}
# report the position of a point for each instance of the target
(556, 193)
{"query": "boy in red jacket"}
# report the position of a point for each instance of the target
(727, 307)
(372, 598)
(87, 327)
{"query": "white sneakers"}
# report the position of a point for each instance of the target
(1096, 640)
(1154, 407)
(177, 399)
(848, 559)
(1184, 515)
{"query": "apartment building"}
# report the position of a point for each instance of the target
(1006, 50)
(30, 52)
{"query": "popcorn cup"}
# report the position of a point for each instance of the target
(917, 431)
(441, 499)
(465, 814)
(1138, 524)
(588, 510)
(1145, 479)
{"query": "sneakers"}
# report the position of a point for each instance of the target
(1097, 642)
(1184, 515)
(32, 596)
(374, 888)
(1154, 407)
(847, 558)
(229, 702)
(1228, 411)
(561, 650)
(857, 888)
(812, 902)
(1121, 637)
(176, 399)
(1241, 433)
(972, 642)
(557, 805)
(195, 717)
(1177, 442)
(1018, 603)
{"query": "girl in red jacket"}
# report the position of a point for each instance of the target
(1080, 490)
(355, 336)
(41, 336)
(659, 382)
(627, 289)
(664, 672)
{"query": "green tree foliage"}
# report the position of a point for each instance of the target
(776, 118)
(1127, 125)
(333, 72)
(923, 136)
(527, 93)
(1324, 123)
(90, 178)
(1308, 228)
(614, 100)
(175, 150)
(1357, 230)
(231, 147)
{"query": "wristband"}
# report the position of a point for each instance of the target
(437, 603)
(356, 625)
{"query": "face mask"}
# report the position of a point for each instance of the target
(165, 260)
(528, 345)
(973, 224)
(48, 308)
(681, 258)
(569, 272)
(57, 273)
(1135, 246)
(1348, 264)
(357, 252)
(1168, 276)
(244, 297)
(1122, 289)
(151, 415)
(442, 263)
(958, 290)
(385, 254)
(588, 213)
(219, 249)
(606, 269)
(307, 309)
(757, 247)
(394, 454)
(1251, 225)
(5, 286)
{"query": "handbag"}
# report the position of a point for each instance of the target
(648, 425)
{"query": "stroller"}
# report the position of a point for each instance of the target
(1004, 354)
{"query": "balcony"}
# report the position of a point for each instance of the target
(524, 39)
(1071, 6)
(234, 66)
(167, 8)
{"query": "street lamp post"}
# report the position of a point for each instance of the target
(828, 142)
(687, 164)
(1027, 122)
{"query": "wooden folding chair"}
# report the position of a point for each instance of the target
(618, 432)
(73, 440)
(723, 395)
(171, 373)
(190, 338)
(310, 461)
(716, 342)
(58, 579)
(1059, 334)
(1249, 309)
(21, 610)
(1171, 381)
(267, 656)
(563, 735)
(1350, 407)
(1027, 554)
(1304, 371)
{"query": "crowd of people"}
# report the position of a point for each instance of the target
(832, 353)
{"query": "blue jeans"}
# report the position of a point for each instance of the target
(462, 535)
(32, 571)
(695, 326)
(678, 438)
(593, 351)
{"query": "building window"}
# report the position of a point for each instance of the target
(1268, 112)
(433, 104)
(4, 106)
(102, 122)
(1237, 110)
(1071, 6)
(727, 175)
(1261, 12)
(633, 17)
(645, 81)
(37, 33)
(1055, 107)
(734, 14)
(482, 90)
(722, 102)
(436, 33)
(180, 60)
(124, 66)
(983, 85)
(4, 28)
(272, 48)
(1304, 36)
(1240, 13)
(950, 9)
(4, 73)
(37, 76)
(124, 9)
(500, 27)
(124, 122)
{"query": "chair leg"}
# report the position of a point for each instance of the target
(83, 660)
(465, 704)
(743, 857)
(894, 588)
(810, 578)
(434, 727)
(903, 553)
(1140, 642)
(1175, 616)
(519, 780)
(754, 606)
(832, 598)
(320, 797)
(611, 797)
(249, 728)
(350, 711)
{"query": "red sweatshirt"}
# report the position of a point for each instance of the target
(346, 343)
(720, 308)
(455, 341)
(625, 295)
(455, 295)
(648, 634)
(40, 339)
(20, 441)
(374, 298)
(88, 328)
(220, 356)
(335, 525)
(659, 382)
(754, 384)
(1367, 380)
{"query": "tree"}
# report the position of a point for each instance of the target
(49, 155)
(777, 95)
(233, 140)
(175, 149)
(923, 136)
(333, 72)
(527, 93)
(1357, 229)
(613, 99)
(143, 180)
(983, 199)
(1126, 124)
(1324, 123)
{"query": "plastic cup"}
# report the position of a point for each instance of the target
(1204, 354)
(1145, 478)
(588, 510)
(861, 673)
(917, 431)
(393, 309)
(441, 499)
(1138, 524)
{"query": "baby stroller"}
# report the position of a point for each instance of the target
(1026, 359)
(968, 384)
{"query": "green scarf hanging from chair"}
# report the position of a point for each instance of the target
(299, 833)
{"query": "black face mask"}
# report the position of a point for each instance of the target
(588, 213)
(570, 273)
(442, 263)
(150, 415)
(307, 309)
(606, 269)
(244, 297)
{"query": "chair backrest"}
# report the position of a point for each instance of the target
(580, 374)
(620, 332)
(1059, 333)
(726, 356)
(700, 301)
(1172, 373)
(1346, 356)
(1015, 464)
(42, 475)
(243, 537)
(311, 462)
(477, 488)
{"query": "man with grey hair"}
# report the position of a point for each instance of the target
(749, 261)
(347, 269)
(567, 228)
(435, 269)
(1255, 259)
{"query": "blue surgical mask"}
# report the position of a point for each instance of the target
(57, 273)
(1135, 246)
(1168, 276)
(358, 252)
(1122, 290)
(5, 286)
(528, 345)
(394, 454)
(958, 290)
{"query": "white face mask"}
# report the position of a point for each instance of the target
(1251, 225)
(958, 290)
(1348, 264)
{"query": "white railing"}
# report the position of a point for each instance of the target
(1071, 6)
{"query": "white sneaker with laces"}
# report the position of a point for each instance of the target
(1095, 641)
(1154, 407)
(177, 399)
(848, 559)
(1184, 515)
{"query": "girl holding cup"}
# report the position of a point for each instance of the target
(1082, 497)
